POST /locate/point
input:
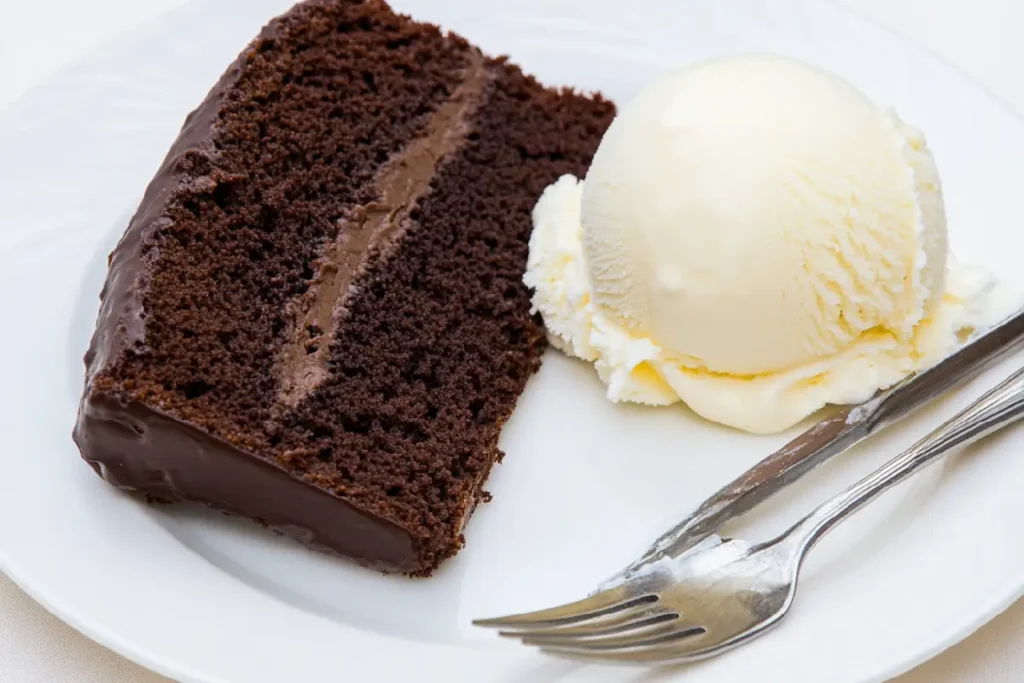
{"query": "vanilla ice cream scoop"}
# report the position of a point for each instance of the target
(756, 238)
(757, 213)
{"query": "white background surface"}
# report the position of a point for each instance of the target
(40, 38)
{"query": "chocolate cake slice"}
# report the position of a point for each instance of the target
(316, 317)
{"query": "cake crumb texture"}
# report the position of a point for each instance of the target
(433, 341)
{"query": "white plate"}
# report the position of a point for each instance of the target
(201, 597)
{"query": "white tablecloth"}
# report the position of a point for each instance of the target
(982, 37)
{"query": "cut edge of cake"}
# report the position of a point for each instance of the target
(154, 418)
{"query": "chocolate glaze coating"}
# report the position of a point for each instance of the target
(135, 447)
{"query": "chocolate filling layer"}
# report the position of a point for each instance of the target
(368, 230)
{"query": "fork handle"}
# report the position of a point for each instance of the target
(997, 408)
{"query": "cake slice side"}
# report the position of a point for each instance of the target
(316, 317)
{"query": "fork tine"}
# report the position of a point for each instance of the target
(606, 602)
(681, 645)
(648, 632)
(613, 624)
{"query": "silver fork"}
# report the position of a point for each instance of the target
(725, 592)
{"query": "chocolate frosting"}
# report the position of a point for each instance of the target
(138, 447)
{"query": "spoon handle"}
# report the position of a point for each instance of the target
(999, 407)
